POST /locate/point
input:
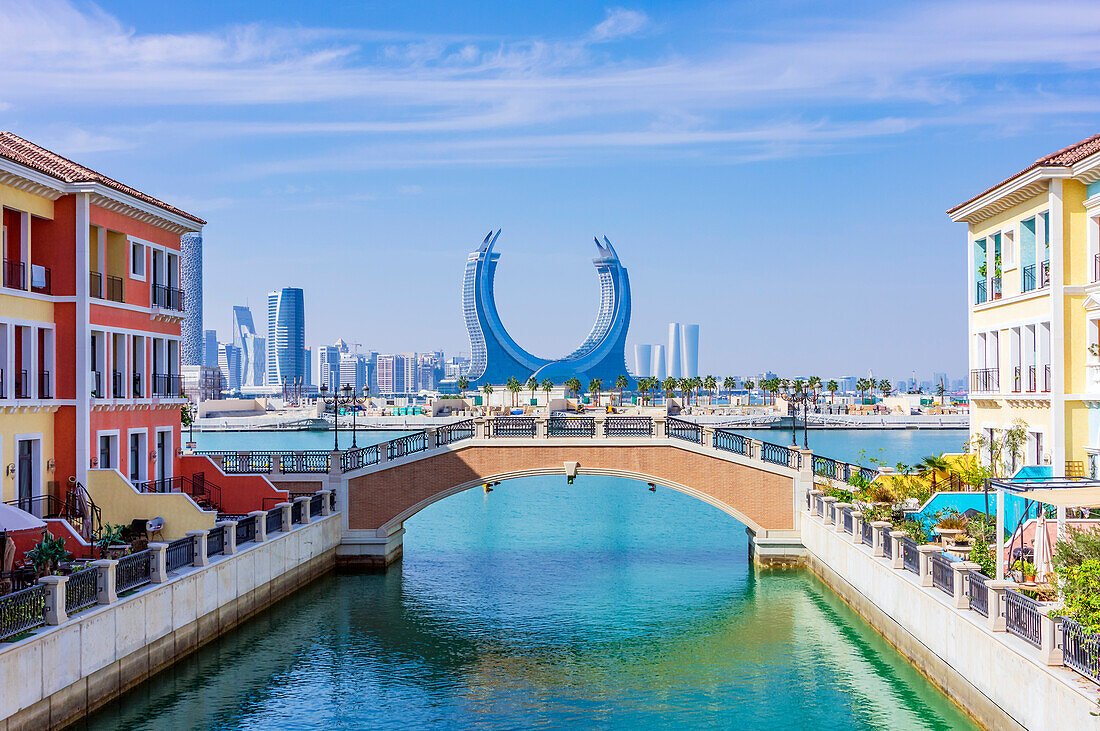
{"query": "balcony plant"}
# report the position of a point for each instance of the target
(47, 555)
(1026, 570)
(983, 554)
(112, 542)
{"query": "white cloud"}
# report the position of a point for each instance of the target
(409, 189)
(619, 23)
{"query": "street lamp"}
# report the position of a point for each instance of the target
(334, 402)
(354, 401)
(800, 396)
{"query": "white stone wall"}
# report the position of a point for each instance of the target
(998, 665)
(56, 657)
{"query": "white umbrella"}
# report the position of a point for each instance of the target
(14, 519)
(1042, 556)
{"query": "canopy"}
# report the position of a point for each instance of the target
(1065, 497)
(14, 519)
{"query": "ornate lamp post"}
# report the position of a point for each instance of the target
(354, 401)
(334, 402)
(803, 397)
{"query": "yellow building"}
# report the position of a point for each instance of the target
(1034, 308)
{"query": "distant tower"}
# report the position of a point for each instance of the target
(658, 369)
(643, 361)
(192, 346)
(674, 356)
(690, 357)
(210, 348)
(286, 334)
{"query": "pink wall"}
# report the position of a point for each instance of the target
(239, 493)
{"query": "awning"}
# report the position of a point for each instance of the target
(14, 519)
(1066, 497)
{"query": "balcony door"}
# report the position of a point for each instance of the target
(26, 471)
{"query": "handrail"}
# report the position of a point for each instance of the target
(689, 431)
(943, 576)
(571, 426)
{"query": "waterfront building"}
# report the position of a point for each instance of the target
(202, 383)
(328, 366)
(286, 334)
(658, 369)
(229, 363)
(353, 371)
(251, 346)
(191, 343)
(1033, 252)
(689, 343)
(210, 348)
(90, 324)
(391, 374)
(643, 360)
(411, 371)
(674, 367)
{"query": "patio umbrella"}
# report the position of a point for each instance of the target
(1042, 555)
(13, 519)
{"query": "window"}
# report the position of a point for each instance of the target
(137, 260)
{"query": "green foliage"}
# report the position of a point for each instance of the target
(187, 415)
(110, 535)
(841, 495)
(983, 554)
(1081, 587)
(48, 553)
(873, 513)
(982, 530)
(858, 481)
(915, 530)
(951, 520)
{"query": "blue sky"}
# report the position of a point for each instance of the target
(775, 171)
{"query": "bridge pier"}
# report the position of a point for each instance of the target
(776, 548)
(363, 551)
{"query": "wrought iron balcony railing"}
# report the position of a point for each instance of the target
(167, 298)
(985, 380)
(1028, 281)
(15, 274)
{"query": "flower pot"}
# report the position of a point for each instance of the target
(948, 534)
(117, 550)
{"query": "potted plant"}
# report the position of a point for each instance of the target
(1026, 570)
(950, 525)
(47, 555)
(111, 542)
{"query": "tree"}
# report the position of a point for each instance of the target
(941, 391)
(532, 386)
(862, 386)
(487, 389)
(814, 383)
(574, 384)
(463, 383)
(748, 386)
(620, 383)
(710, 383)
(886, 388)
(832, 387)
(696, 384)
(548, 386)
(685, 389)
(514, 387)
(595, 386)
(670, 387)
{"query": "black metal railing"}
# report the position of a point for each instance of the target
(985, 380)
(1046, 378)
(114, 289)
(81, 590)
(943, 576)
(22, 384)
(354, 459)
(1044, 274)
(1031, 379)
(728, 441)
(274, 521)
(44, 390)
(1022, 617)
(689, 431)
(846, 514)
(978, 592)
(628, 426)
(456, 432)
(15, 274)
(215, 541)
(775, 454)
(316, 505)
(887, 541)
(167, 385)
(22, 610)
(133, 571)
(240, 463)
(304, 462)
(819, 505)
(825, 467)
(1080, 649)
(995, 287)
(512, 426)
(95, 285)
(167, 298)
(1017, 379)
(296, 512)
(246, 529)
(1028, 282)
(980, 295)
(43, 284)
(408, 444)
(867, 533)
(570, 426)
(830, 511)
(910, 556)
(137, 386)
(206, 495)
(179, 554)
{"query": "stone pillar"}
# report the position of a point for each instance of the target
(286, 524)
(326, 503)
(1050, 635)
(838, 515)
(755, 447)
(55, 598)
(481, 428)
(230, 545)
(811, 503)
(925, 572)
(106, 593)
(660, 429)
(996, 619)
(877, 535)
(708, 436)
(260, 517)
(158, 562)
(827, 518)
(857, 527)
(897, 559)
(335, 463)
(600, 433)
(962, 570)
(304, 501)
(199, 537)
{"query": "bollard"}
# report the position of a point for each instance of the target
(106, 593)
(260, 517)
(926, 564)
(897, 559)
(55, 598)
(158, 563)
(199, 537)
(230, 545)
(878, 535)
(962, 571)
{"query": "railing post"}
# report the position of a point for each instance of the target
(897, 558)
(105, 584)
(481, 428)
(600, 430)
(925, 569)
(877, 536)
(857, 527)
(304, 502)
(335, 466)
(707, 437)
(199, 537)
(542, 427)
(996, 619)
(755, 448)
(660, 429)
(838, 515)
(55, 598)
(158, 562)
(1050, 635)
(259, 518)
(326, 504)
(828, 515)
(229, 527)
(962, 571)
(286, 524)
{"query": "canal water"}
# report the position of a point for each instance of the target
(543, 604)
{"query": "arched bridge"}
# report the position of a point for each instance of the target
(760, 484)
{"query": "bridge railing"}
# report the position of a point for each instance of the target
(571, 426)
(689, 431)
(513, 426)
(628, 426)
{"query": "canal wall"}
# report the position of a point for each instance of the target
(998, 678)
(63, 672)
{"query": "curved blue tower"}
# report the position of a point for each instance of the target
(495, 354)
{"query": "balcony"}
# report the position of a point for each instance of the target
(3, 393)
(116, 385)
(138, 393)
(1031, 378)
(1046, 378)
(15, 274)
(167, 385)
(1017, 379)
(167, 298)
(985, 380)
(97, 385)
(1028, 278)
(105, 287)
(1096, 267)
(22, 385)
(41, 280)
(995, 287)
(980, 295)
(1044, 274)
(44, 385)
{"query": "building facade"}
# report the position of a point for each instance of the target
(328, 367)
(191, 277)
(1033, 295)
(391, 374)
(286, 334)
(90, 325)
(689, 342)
(251, 346)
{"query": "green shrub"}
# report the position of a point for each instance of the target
(1081, 587)
(983, 554)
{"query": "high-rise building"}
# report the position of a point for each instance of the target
(307, 359)
(353, 371)
(191, 334)
(251, 346)
(286, 334)
(689, 342)
(674, 358)
(410, 372)
(659, 369)
(229, 362)
(391, 374)
(210, 348)
(328, 367)
(643, 360)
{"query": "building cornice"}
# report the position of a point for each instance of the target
(1008, 194)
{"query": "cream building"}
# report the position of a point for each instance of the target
(1034, 307)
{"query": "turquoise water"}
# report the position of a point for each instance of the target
(545, 605)
(890, 445)
(289, 440)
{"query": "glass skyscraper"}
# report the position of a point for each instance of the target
(286, 337)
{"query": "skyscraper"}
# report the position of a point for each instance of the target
(689, 336)
(660, 372)
(673, 362)
(643, 361)
(391, 374)
(353, 371)
(328, 367)
(210, 348)
(191, 335)
(229, 362)
(252, 347)
(286, 335)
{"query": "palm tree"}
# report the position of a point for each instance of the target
(548, 386)
(574, 384)
(941, 391)
(685, 390)
(595, 386)
(861, 386)
(748, 386)
(729, 383)
(832, 386)
(710, 383)
(514, 387)
(814, 383)
(487, 389)
(463, 383)
(532, 386)
(670, 387)
(620, 383)
(885, 387)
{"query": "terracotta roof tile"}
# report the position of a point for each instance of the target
(1065, 157)
(15, 148)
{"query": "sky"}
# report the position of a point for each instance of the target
(775, 171)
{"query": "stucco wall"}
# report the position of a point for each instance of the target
(120, 504)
